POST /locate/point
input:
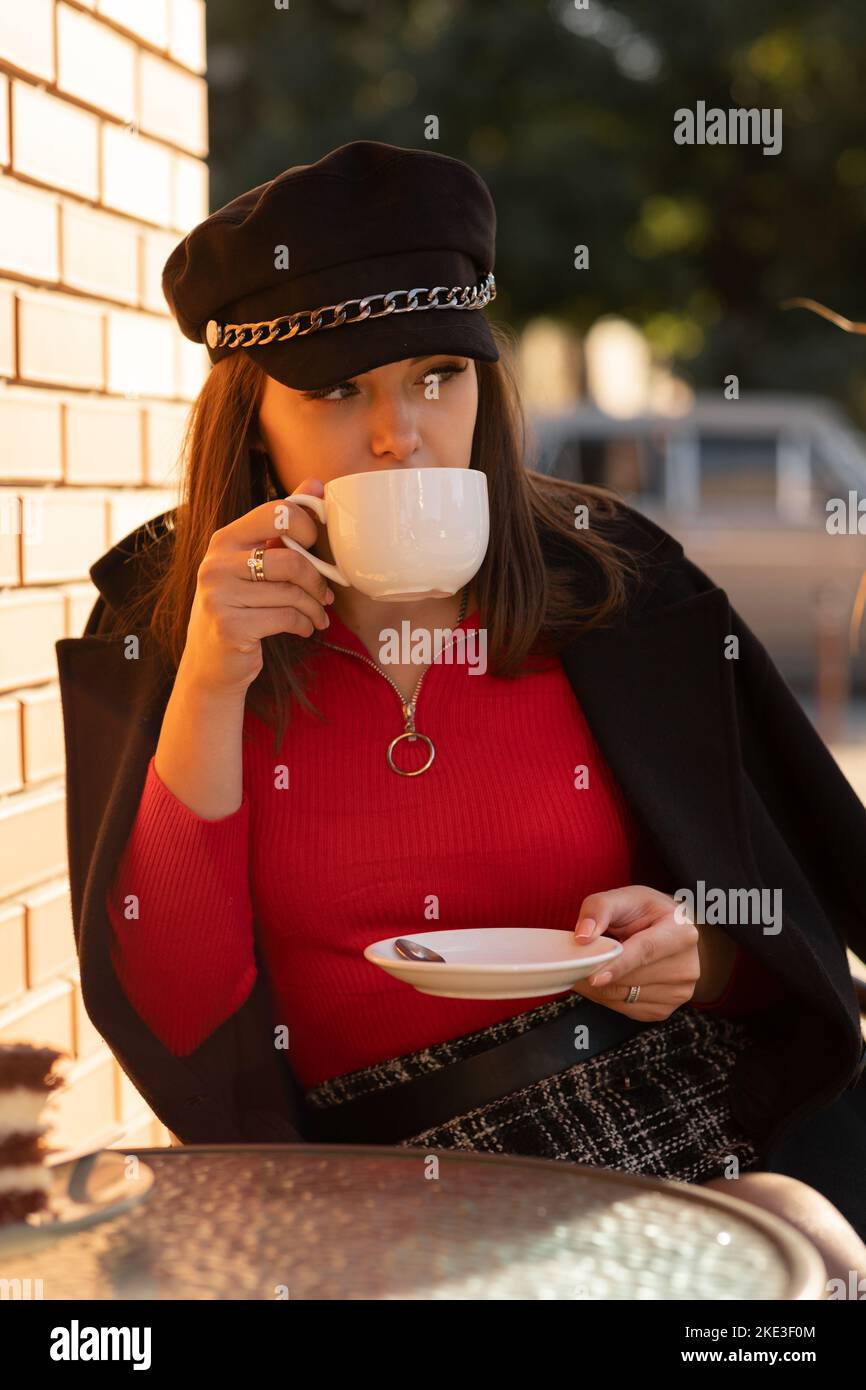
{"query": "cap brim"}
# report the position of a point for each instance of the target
(332, 355)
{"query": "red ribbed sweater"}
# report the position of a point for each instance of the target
(331, 850)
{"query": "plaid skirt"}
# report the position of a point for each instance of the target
(655, 1104)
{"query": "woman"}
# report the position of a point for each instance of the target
(264, 838)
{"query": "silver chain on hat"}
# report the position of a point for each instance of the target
(236, 335)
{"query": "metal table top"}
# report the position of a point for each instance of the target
(272, 1221)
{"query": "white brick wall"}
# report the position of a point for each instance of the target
(103, 133)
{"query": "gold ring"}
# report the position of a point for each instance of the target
(418, 770)
(256, 564)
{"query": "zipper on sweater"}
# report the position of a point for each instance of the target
(408, 707)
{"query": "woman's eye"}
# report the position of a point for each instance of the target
(450, 369)
(325, 393)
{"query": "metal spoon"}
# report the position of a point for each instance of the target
(413, 950)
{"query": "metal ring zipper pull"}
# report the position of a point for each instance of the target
(408, 707)
(412, 734)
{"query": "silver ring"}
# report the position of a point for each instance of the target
(257, 564)
(631, 997)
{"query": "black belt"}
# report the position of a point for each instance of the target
(410, 1107)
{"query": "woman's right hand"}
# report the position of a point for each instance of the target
(232, 612)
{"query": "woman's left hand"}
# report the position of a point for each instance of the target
(660, 952)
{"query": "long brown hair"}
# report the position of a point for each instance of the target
(528, 599)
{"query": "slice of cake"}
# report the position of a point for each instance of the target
(28, 1078)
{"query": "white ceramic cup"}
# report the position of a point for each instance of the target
(402, 533)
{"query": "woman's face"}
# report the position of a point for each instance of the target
(416, 413)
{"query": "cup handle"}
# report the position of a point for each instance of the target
(317, 505)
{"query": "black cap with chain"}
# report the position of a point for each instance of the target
(371, 255)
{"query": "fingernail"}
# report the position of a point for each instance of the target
(601, 979)
(329, 596)
(584, 931)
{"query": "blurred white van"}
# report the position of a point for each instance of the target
(744, 485)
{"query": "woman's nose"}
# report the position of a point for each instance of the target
(395, 432)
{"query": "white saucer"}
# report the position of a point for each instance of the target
(85, 1189)
(495, 962)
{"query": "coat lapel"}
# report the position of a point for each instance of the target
(659, 697)
(661, 700)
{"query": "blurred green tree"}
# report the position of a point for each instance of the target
(569, 113)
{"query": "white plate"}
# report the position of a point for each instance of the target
(89, 1188)
(495, 962)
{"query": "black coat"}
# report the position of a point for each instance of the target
(716, 757)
